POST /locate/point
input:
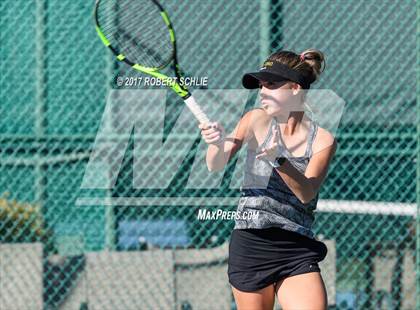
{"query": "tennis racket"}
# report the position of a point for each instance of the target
(140, 33)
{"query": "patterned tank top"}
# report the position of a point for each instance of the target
(263, 192)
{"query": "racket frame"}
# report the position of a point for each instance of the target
(153, 71)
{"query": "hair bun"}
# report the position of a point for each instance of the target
(316, 59)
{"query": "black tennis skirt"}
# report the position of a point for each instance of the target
(261, 257)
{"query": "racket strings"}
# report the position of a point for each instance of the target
(136, 29)
(151, 55)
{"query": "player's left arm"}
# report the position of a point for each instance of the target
(323, 150)
(306, 186)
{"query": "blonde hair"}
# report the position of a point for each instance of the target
(310, 63)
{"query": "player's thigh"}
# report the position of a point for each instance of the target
(302, 292)
(262, 299)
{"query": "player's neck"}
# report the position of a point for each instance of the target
(294, 123)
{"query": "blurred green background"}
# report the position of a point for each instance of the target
(55, 80)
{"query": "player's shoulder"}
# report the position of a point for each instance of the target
(324, 134)
(256, 116)
(323, 139)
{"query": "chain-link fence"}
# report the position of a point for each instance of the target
(71, 239)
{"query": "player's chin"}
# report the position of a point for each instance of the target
(274, 111)
(269, 110)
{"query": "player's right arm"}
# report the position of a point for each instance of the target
(218, 155)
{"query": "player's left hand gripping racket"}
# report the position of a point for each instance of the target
(140, 33)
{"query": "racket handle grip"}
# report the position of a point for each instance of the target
(196, 110)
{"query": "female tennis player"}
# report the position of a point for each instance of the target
(288, 155)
